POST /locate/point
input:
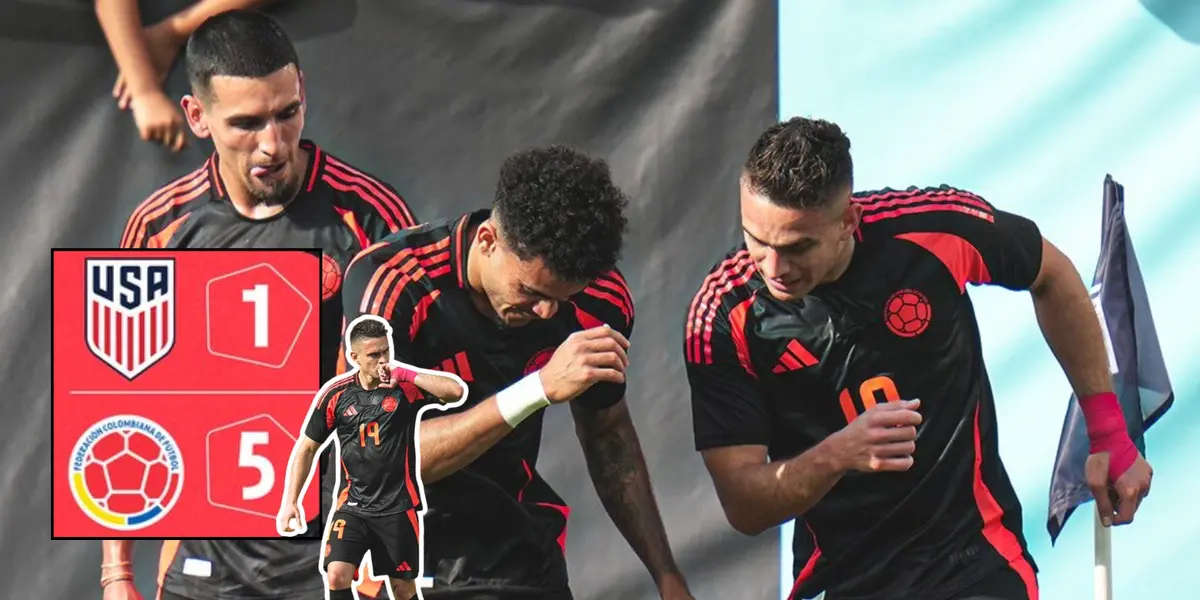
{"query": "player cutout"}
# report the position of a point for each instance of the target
(524, 301)
(264, 187)
(808, 347)
(372, 412)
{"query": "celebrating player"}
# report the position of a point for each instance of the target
(375, 426)
(839, 343)
(264, 187)
(524, 302)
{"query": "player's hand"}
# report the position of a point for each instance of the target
(586, 358)
(158, 120)
(121, 590)
(384, 372)
(289, 522)
(163, 43)
(1118, 500)
(881, 439)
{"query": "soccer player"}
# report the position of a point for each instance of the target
(375, 425)
(837, 375)
(525, 303)
(264, 187)
(144, 57)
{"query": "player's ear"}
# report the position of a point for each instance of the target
(485, 236)
(851, 217)
(303, 95)
(193, 111)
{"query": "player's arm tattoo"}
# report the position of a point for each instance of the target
(618, 471)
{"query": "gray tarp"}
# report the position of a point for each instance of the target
(429, 95)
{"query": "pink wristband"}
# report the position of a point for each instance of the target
(1107, 433)
(401, 374)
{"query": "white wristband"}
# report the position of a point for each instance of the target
(521, 399)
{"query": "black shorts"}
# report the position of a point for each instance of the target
(393, 541)
(1005, 584)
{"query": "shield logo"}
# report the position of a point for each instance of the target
(130, 312)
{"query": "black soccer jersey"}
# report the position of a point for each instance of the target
(375, 430)
(340, 210)
(496, 522)
(897, 325)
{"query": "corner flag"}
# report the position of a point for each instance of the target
(1139, 373)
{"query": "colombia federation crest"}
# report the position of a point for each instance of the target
(126, 472)
(130, 312)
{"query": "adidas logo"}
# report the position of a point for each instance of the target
(350, 412)
(403, 567)
(794, 358)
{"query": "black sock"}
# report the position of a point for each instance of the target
(346, 594)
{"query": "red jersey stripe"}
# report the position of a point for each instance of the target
(809, 566)
(926, 208)
(737, 330)
(175, 199)
(162, 238)
(331, 409)
(699, 303)
(463, 366)
(961, 257)
(613, 283)
(421, 313)
(400, 270)
(215, 174)
(460, 232)
(352, 222)
(931, 196)
(411, 483)
(370, 295)
(734, 282)
(388, 197)
(1000, 537)
(365, 251)
(316, 161)
(732, 273)
(331, 178)
(611, 299)
(410, 271)
(137, 221)
(586, 319)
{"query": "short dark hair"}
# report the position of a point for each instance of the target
(559, 204)
(800, 163)
(368, 329)
(236, 43)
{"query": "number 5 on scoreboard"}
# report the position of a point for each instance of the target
(248, 459)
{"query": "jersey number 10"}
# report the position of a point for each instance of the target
(867, 392)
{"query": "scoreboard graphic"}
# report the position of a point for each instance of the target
(180, 381)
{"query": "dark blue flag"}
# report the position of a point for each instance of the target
(1139, 373)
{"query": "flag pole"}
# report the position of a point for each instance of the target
(1102, 568)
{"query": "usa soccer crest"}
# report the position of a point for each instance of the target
(130, 312)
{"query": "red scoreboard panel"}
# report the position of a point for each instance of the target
(181, 380)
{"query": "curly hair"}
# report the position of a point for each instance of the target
(800, 163)
(560, 205)
(236, 43)
(368, 329)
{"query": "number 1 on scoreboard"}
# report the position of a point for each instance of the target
(258, 295)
